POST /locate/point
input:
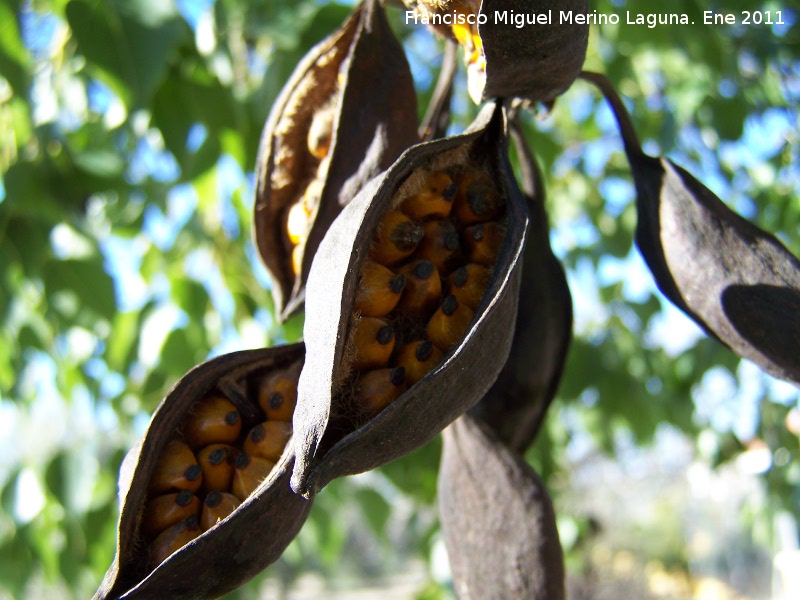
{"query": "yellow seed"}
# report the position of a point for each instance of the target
(216, 460)
(217, 506)
(176, 470)
(395, 239)
(165, 511)
(297, 223)
(214, 419)
(374, 341)
(268, 439)
(277, 392)
(173, 539)
(449, 323)
(379, 290)
(440, 245)
(418, 359)
(468, 284)
(250, 471)
(321, 130)
(434, 201)
(476, 201)
(483, 241)
(375, 390)
(423, 290)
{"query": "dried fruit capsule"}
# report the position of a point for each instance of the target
(475, 201)
(216, 460)
(468, 284)
(379, 290)
(250, 471)
(277, 393)
(418, 359)
(176, 470)
(423, 290)
(173, 539)
(216, 507)
(440, 245)
(375, 390)
(449, 323)
(213, 419)
(373, 341)
(434, 201)
(165, 511)
(268, 439)
(396, 238)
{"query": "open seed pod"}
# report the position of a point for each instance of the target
(736, 281)
(359, 405)
(198, 515)
(497, 519)
(530, 49)
(516, 404)
(347, 112)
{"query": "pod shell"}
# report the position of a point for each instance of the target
(237, 548)
(467, 370)
(375, 121)
(497, 519)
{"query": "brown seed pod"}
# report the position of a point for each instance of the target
(259, 529)
(327, 444)
(537, 61)
(516, 404)
(738, 282)
(347, 112)
(497, 519)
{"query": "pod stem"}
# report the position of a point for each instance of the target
(437, 117)
(624, 122)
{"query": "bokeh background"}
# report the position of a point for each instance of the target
(128, 137)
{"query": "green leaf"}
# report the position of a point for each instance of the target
(87, 279)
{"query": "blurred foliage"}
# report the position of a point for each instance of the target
(128, 137)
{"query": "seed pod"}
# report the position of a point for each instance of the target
(268, 439)
(165, 511)
(216, 460)
(277, 393)
(211, 420)
(537, 61)
(218, 506)
(379, 291)
(329, 439)
(347, 112)
(516, 404)
(736, 281)
(258, 530)
(497, 519)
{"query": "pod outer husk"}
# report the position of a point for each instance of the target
(516, 404)
(237, 548)
(735, 280)
(536, 62)
(375, 121)
(497, 519)
(450, 389)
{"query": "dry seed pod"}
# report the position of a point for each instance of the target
(326, 445)
(537, 61)
(516, 404)
(259, 530)
(736, 281)
(347, 112)
(497, 519)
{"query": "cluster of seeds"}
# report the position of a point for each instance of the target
(428, 267)
(215, 464)
(300, 215)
